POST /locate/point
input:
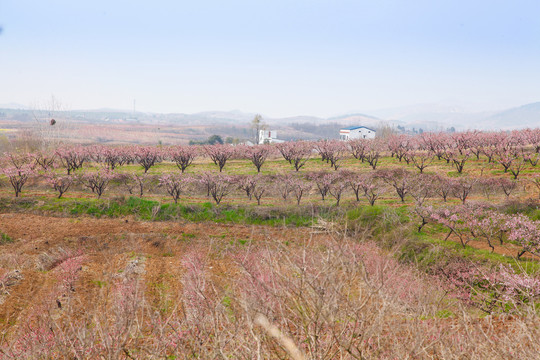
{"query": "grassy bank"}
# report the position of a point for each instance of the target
(151, 210)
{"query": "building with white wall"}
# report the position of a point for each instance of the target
(356, 132)
(268, 137)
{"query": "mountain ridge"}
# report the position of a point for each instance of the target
(429, 117)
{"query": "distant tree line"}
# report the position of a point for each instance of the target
(215, 139)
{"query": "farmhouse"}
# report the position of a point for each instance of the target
(268, 137)
(356, 132)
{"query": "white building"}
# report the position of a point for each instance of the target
(268, 137)
(356, 132)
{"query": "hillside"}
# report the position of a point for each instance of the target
(119, 126)
(518, 117)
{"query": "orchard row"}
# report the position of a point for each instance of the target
(371, 185)
(470, 220)
(512, 152)
(97, 168)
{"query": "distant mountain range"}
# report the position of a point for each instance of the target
(521, 117)
(13, 106)
(429, 117)
(433, 117)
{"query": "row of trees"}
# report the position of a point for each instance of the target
(371, 185)
(466, 222)
(512, 151)
(482, 223)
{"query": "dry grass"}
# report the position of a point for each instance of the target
(138, 290)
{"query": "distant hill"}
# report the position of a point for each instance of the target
(412, 111)
(235, 123)
(437, 117)
(225, 116)
(295, 120)
(13, 106)
(518, 117)
(357, 119)
(348, 116)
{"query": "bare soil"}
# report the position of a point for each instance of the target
(108, 247)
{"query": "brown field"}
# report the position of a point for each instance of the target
(156, 289)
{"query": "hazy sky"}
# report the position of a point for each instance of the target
(274, 57)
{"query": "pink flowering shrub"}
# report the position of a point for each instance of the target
(136, 183)
(398, 145)
(72, 158)
(400, 179)
(68, 271)
(525, 232)
(182, 156)
(97, 181)
(253, 185)
(17, 177)
(455, 219)
(220, 154)
(498, 289)
(60, 183)
(174, 184)
(462, 187)
(421, 159)
(147, 156)
(373, 152)
(257, 154)
(323, 182)
(297, 153)
(217, 185)
(46, 160)
(487, 224)
(331, 151)
(298, 187)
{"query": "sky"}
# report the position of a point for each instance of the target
(275, 57)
